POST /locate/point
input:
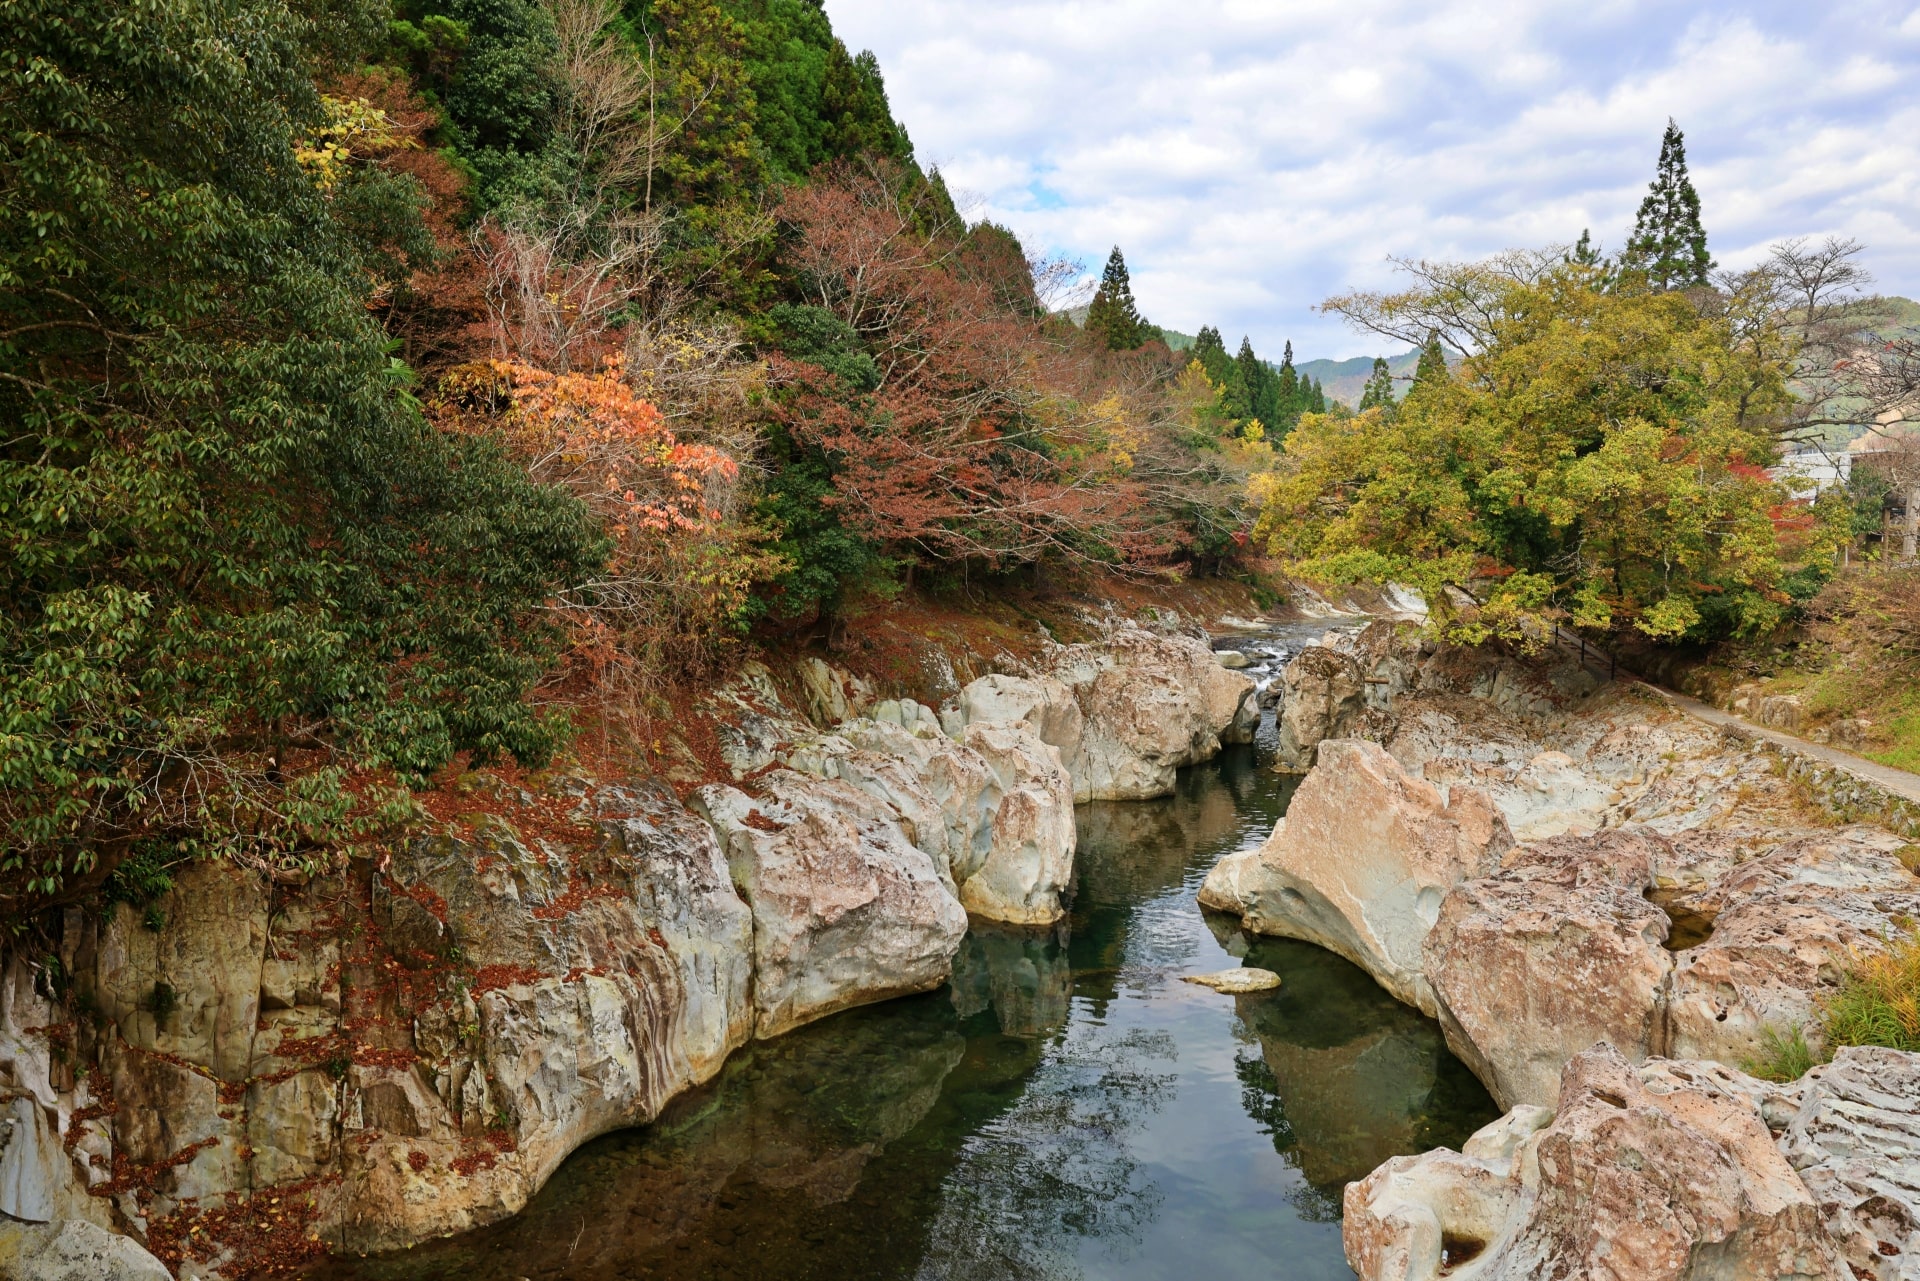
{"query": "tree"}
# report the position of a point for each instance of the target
(1600, 459)
(1113, 316)
(1432, 369)
(971, 441)
(1668, 244)
(1378, 393)
(240, 564)
(1211, 351)
(1261, 403)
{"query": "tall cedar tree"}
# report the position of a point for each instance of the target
(1286, 389)
(1113, 316)
(1211, 351)
(1378, 393)
(1432, 368)
(230, 534)
(1668, 243)
(704, 86)
(1259, 383)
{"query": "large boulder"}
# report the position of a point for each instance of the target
(1555, 952)
(1322, 696)
(994, 811)
(1663, 1173)
(846, 909)
(1361, 863)
(1149, 706)
(1021, 860)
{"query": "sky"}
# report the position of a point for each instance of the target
(1253, 157)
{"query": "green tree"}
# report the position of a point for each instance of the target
(1668, 244)
(230, 534)
(1378, 393)
(713, 157)
(1432, 369)
(1113, 316)
(1600, 458)
(814, 101)
(1262, 403)
(491, 62)
(1211, 351)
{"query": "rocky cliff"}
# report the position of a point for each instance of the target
(244, 1073)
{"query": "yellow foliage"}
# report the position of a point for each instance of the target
(353, 126)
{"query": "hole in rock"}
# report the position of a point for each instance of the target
(1455, 1250)
(1609, 1098)
(1688, 927)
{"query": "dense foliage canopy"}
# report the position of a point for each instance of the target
(231, 536)
(1600, 458)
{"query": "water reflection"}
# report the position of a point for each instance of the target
(1344, 1076)
(1065, 1108)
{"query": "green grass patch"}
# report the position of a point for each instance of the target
(1784, 1056)
(1879, 1000)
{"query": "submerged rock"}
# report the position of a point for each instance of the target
(1361, 863)
(1234, 982)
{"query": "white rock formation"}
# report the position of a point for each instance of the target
(73, 1250)
(846, 909)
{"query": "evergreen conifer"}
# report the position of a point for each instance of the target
(1378, 393)
(1668, 245)
(1433, 363)
(1211, 351)
(1113, 314)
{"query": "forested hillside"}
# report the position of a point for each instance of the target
(392, 387)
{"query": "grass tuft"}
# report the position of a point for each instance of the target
(1879, 1000)
(1783, 1056)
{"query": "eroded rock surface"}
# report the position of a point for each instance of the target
(1125, 714)
(1361, 864)
(1661, 1173)
(846, 909)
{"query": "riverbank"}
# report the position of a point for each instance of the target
(1601, 898)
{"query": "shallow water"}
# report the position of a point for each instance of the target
(1066, 1108)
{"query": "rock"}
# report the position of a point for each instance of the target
(1234, 982)
(190, 988)
(1784, 927)
(1232, 659)
(74, 1250)
(1780, 711)
(1020, 871)
(1361, 863)
(828, 694)
(1667, 1173)
(1044, 704)
(846, 910)
(1557, 951)
(1856, 1145)
(994, 811)
(1150, 705)
(1323, 696)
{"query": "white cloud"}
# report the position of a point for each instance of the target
(1253, 157)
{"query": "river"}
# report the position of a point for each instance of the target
(1066, 1108)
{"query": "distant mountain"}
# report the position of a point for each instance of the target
(1344, 380)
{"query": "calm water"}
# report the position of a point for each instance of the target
(1067, 1108)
